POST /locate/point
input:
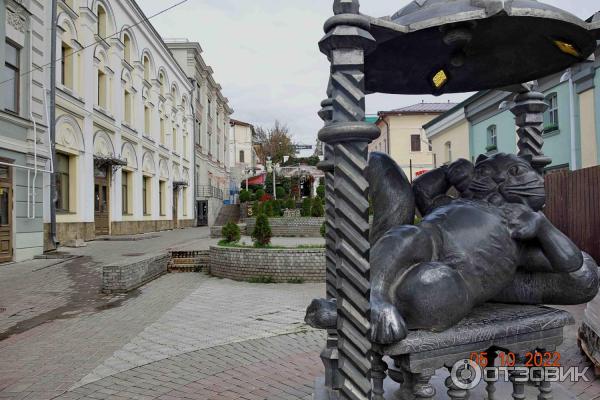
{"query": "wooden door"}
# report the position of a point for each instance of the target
(175, 208)
(101, 203)
(6, 247)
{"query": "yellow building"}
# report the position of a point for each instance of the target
(404, 139)
(449, 135)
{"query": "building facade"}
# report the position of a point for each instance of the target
(483, 124)
(124, 125)
(403, 137)
(212, 119)
(24, 140)
(243, 155)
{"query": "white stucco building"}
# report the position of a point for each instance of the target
(124, 125)
(212, 114)
(24, 140)
(243, 154)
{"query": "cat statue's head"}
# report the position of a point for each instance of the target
(508, 178)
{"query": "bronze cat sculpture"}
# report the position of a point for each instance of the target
(491, 243)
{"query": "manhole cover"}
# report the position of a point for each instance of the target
(133, 254)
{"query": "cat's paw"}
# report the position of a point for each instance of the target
(387, 325)
(526, 226)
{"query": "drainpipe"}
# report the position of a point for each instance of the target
(387, 143)
(52, 127)
(192, 98)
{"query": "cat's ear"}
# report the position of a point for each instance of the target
(528, 158)
(481, 158)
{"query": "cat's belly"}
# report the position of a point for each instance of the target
(476, 241)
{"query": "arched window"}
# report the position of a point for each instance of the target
(242, 156)
(492, 138)
(146, 68)
(102, 21)
(127, 51)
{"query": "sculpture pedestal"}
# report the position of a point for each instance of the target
(394, 392)
(420, 364)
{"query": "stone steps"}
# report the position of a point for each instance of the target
(228, 213)
(189, 261)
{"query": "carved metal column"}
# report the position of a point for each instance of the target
(346, 41)
(529, 107)
(329, 355)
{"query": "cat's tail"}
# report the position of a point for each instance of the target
(392, 197)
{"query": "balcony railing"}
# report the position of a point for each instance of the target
(209, 192)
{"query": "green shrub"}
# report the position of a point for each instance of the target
(260, 193)
(277, 205)
(262, 231)
(231, 232)
(317, 208)
(244, 196)
(296, 281)
(321, 191)
(268, 208)
(323, 229)
(306, 207)
(290, 204)
(280, 192)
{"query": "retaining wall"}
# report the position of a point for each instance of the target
(130, 274)
(290, 226)
(281, 265)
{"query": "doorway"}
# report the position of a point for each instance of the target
(101, 201)
(6, 225)
(202, 213)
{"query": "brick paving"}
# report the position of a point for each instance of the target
(175, 338)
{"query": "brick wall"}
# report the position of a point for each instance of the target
(291, 226)
(281, 265)
(130, 274)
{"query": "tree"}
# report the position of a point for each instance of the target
(306, 207)
(320, 191)
(244, 196)
(231, 232)
(262, 231)
(275, 142)
(317, 208)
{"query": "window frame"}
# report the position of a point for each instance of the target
(551, 116)
(413, 142)
(60, 177)
(146, 193)
(16, 69)
(492, 137)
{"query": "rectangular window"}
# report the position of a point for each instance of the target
(492, 137)
(128, 100)
(415, 143)
(62, 182)
(174, 140)
(551, 116)
(147, 120)
(12, 77)
(146, 194)
(185, 202)
(162, 192)
(66, 62)
(102, 87)
(185, 145)
(242, 156)
(162, 131)
(125, 194)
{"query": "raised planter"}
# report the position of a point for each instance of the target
(278, 265)
(132, 273)
(290, 226)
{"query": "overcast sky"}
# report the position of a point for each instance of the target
(264, 54)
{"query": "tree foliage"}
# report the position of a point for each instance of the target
(262, 231)
(317, 208)
(275, 142)
(231, 232)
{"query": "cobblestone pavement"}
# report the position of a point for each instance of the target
(183, 336)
